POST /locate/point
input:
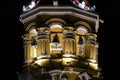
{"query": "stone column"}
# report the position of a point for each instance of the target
(39, 49)
(27, 51)
(74, 46)
(96, 52)
(43, 44)
(47, 46)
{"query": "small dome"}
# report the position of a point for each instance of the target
(87, 5)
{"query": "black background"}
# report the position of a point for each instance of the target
(12, 30)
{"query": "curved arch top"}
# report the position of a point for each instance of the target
(30, 26)
(83, 24)
(59, 20)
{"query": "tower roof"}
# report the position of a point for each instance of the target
(87, 5)
(57, 8)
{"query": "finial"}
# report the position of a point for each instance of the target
(55, 2)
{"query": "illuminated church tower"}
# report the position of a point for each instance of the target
(60, 41)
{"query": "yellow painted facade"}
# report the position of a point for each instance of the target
(60, 44)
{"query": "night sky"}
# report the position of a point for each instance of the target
(12, 28)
